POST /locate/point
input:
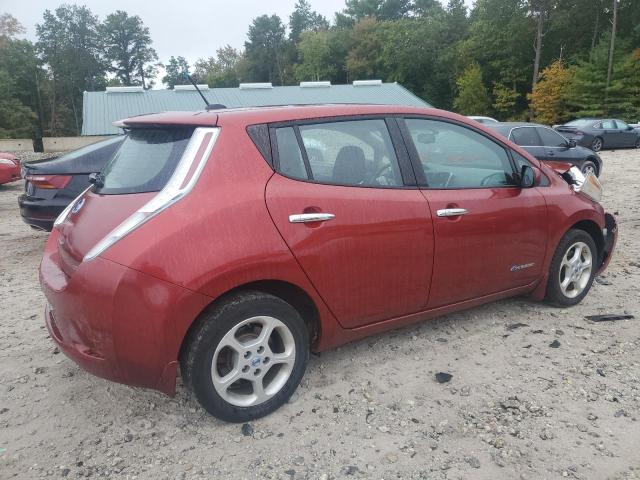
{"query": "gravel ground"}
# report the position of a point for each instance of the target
(536, 392)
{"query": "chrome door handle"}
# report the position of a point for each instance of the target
(451, 212)
(311, 217)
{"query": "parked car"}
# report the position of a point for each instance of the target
(548, 145)
(599, 133)
(482, 119)
(9, 168)
(216, 243)
(50, 185)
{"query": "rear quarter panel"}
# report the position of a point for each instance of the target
(220, 236)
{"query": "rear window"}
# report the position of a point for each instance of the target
(145, 161)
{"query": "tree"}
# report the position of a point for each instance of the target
(315, 52)
(378, 9)
(69, 44)
(266, 49)
(505, 99)
(472, 98)
(304, 19)
(175, 72)
(221, 70)
(9, 28)
(549, 99)
(614, 24)
(127, 49)
(364, 60)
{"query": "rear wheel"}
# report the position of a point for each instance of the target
(597, 144)
(589, 167)
(638, 142)
(572, 269)
(245, 357)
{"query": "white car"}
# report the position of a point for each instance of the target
(482, 119)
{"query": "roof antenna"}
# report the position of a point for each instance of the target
(208, 106)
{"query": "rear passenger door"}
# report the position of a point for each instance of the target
(345, 201)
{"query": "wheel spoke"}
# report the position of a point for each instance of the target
(285, 357)
(258, 390)
(229, 378)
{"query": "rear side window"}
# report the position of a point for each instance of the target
(525, 136)
(291, 163)
(145, 161)
(351, 152)
(550, 138)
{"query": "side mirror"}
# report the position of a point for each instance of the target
(527, 177)
(629, 127)
(572, 143)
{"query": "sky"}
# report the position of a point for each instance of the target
(189, 28)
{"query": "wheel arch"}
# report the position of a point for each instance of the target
(594, 231)
(294, 295)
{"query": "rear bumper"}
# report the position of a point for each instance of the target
(610, 240)
(115, 322)
(40, 213)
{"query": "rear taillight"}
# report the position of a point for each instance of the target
(49, 181)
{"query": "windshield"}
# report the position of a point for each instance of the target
(145, 161)
(579, 123)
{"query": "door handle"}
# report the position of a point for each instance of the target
(551, 153)
(311, 217)
(451, 212)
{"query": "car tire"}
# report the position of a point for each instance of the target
(597, 144)
(588, 166)
(245, 356)
(572, 270)
(637, 145)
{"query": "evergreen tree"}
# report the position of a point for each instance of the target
(472, 98)
(175, 72)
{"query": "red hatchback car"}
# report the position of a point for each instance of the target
(9, 168)
(232, 242)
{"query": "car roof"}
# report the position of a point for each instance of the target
(256, 115)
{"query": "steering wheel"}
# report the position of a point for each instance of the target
(496, 179)
(378, 173)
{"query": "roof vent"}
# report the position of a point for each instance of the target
(315, 84)
(367, 83)
(252, 86)
(132, 89)
(178, 88)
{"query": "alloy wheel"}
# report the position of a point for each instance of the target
(596, 146)
(253, 361)
(575, 269)
(589, 169)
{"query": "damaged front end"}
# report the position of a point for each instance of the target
(588, 185)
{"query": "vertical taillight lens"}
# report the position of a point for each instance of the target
(180, 184)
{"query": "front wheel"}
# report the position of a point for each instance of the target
(245, 357)
(572, 269)
(638, 143)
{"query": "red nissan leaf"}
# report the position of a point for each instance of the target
(231, 243)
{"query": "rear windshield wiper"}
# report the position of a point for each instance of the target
(96, 179)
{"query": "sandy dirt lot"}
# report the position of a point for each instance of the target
(516, 408)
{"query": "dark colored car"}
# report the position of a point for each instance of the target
(50, 185)
(548, 145)
(600, 133)
(232, 243)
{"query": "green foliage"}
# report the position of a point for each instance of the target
(304, 19)
(16, 119)
(505, 100)
(175, 72)
(315, 51)
(220, 71)
(266, 49)
(472, 98)
(127, 49)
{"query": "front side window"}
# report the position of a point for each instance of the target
(145, 161)
(622, 125)
(453, 156)
(550, 138)
(525, 137)
(354, 152)
(609, 125)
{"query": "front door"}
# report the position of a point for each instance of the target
(628, 136)
(490, 235)
(363, 237)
